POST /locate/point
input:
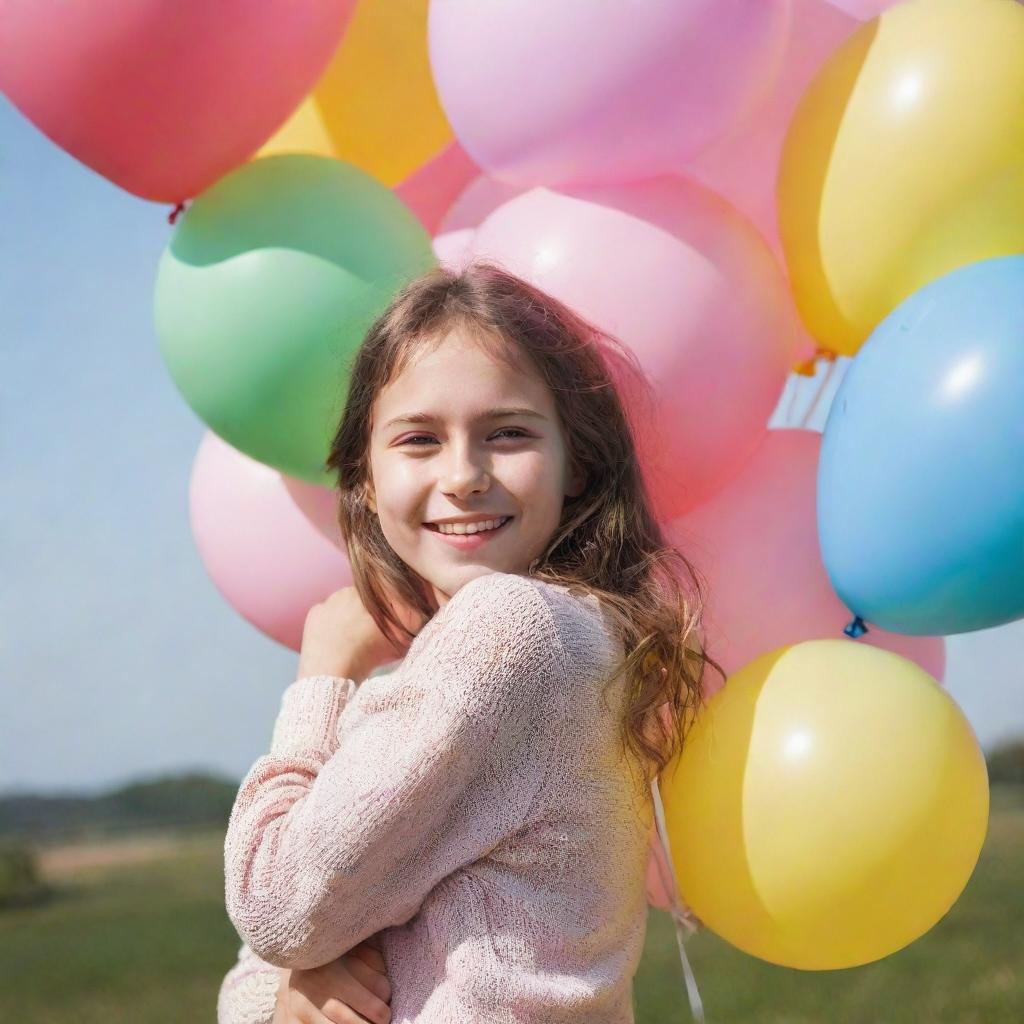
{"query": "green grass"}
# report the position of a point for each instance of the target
(151, 942)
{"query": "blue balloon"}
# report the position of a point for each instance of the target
(921, 477)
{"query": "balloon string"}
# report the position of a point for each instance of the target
(683, 922)
(794, 390)
(173, 215)
(822, 387)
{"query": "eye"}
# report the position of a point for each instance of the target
(504, 430)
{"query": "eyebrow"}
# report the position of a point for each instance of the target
(490, 414)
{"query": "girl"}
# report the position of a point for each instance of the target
(464, 834)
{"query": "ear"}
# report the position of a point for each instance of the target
(368, 498)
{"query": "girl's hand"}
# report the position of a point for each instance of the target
(353, 988)
(340, 637)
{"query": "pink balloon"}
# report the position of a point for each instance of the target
(267, 559)
(743, 165)
(543, 93)
(477, 201)
(318, 504)
(453, 249)
(756, 541)
(431, 189)
(486, 194)
(865, 10)
(689, 285)
(165, 98)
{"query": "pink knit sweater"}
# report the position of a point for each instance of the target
(470, 808)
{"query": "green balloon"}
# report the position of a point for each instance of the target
(265, 291)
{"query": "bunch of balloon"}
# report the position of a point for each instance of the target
(832, 800)
(735, 190)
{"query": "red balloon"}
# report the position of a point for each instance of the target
(163, 98)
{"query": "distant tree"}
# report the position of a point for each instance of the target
(20, 883)
(165, 802)
(1006, 762)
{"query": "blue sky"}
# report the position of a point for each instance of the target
(119, 659)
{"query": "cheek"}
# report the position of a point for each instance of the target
(534, 471)
(548, 478)
(399, 488)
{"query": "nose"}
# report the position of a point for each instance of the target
(464, 471)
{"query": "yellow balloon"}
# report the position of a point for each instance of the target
(828, 807)
(904, 161)
(376, 105)
(303, 132)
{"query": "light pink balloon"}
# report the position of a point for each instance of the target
(163, 98)
(864, 10)
(756, 542)
(484, 195)
(477, 201)
(690, 286)
(431, 189)
(543, 93)
(743, 165)
(454, 249)
(318, 504)
(262, 553)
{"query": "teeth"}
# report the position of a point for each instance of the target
(487, 524)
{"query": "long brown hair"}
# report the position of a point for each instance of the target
(608, 541)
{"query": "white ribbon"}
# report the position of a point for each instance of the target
(684, 921)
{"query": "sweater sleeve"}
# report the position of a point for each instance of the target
(360, 808)
(248, 993)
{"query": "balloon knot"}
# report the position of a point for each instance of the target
(809, 367)
(173, 215)
(856, 628)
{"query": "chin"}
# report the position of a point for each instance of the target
(452, 583)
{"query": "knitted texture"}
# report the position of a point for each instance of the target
(248, 993)
(472, 808)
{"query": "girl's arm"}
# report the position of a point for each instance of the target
(352, 819)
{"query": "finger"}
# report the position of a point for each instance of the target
(338, 1012)
(371, 979)
(370, 956)
(334, 1012)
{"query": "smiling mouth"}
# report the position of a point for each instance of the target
(434, 528)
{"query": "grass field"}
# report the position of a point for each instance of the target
(137, 934)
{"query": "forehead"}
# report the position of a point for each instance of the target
(459, 378)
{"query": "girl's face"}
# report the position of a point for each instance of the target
(440, 449)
